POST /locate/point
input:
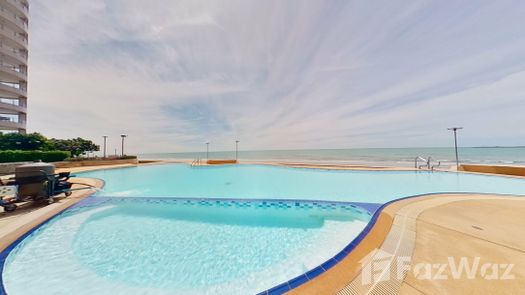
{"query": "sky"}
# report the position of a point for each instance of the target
(278, 74)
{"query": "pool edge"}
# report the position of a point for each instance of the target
(11, 239)
(371, 241)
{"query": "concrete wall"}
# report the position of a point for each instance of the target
(9, 168)
(71, 164)
(221, 162)
(505, 170)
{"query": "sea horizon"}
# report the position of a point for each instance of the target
(405, 157)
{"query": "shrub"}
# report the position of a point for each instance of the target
(126, 157)
(75, 146)
(78, 159)
(36, 141)
(22, 156)
(26, 142)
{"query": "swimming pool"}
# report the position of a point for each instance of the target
(174, 229)
(275, 182)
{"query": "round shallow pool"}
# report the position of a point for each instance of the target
(179, 246)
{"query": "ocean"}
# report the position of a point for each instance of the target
(367, 156)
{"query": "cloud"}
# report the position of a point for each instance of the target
(277, 74)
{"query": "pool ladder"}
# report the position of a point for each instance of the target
(427, 163)
(196, 162)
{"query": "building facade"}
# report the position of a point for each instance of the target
(14, 16)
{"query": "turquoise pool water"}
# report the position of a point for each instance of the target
(145, 233)
(170, 246)
(271, 182)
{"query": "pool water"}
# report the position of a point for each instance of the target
(272, 182)
(161, 229)
(173, 246)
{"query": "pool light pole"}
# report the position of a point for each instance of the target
(123, 136)
(207, 150)
(236, 150)
(105, 142)
(455, 129)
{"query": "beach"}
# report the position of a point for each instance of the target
(390, 157)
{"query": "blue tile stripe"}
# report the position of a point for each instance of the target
(358, 208)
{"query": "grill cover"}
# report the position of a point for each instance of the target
(32, 179)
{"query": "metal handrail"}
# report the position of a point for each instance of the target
(416, 160)
(196, 162)
(426, 161)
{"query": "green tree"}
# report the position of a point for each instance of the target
(75, 146)
(25, 142)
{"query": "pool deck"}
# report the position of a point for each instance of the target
(426, 229)
(29, 215)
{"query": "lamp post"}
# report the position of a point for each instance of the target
(105, 142)
(455, 129)
(207, 150)
(236, 150)
(123, 136)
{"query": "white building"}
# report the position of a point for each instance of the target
(13, 65)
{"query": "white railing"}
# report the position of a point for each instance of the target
(427, 163)
(21, 6)
(20, 39)
(22, 91)
(12, 125)
(10, 101)
(196, 162)
(13, 71)
(20, 57)
(12, 107)
(16, 20)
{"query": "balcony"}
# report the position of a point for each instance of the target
(12, 56)
(19, 6)
(7, 123)
(8, 74)
(13, 19)
(13, 38)
(8, 107)
(11, 91)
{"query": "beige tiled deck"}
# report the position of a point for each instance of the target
(492, 229)
(470, 226)
(15, 224)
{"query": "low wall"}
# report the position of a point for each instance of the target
(505, 170)
(9, 168)
(72, 164)
(221, 162)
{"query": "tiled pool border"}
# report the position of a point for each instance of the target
(364, 208)
(283, 287)
(313, 273)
